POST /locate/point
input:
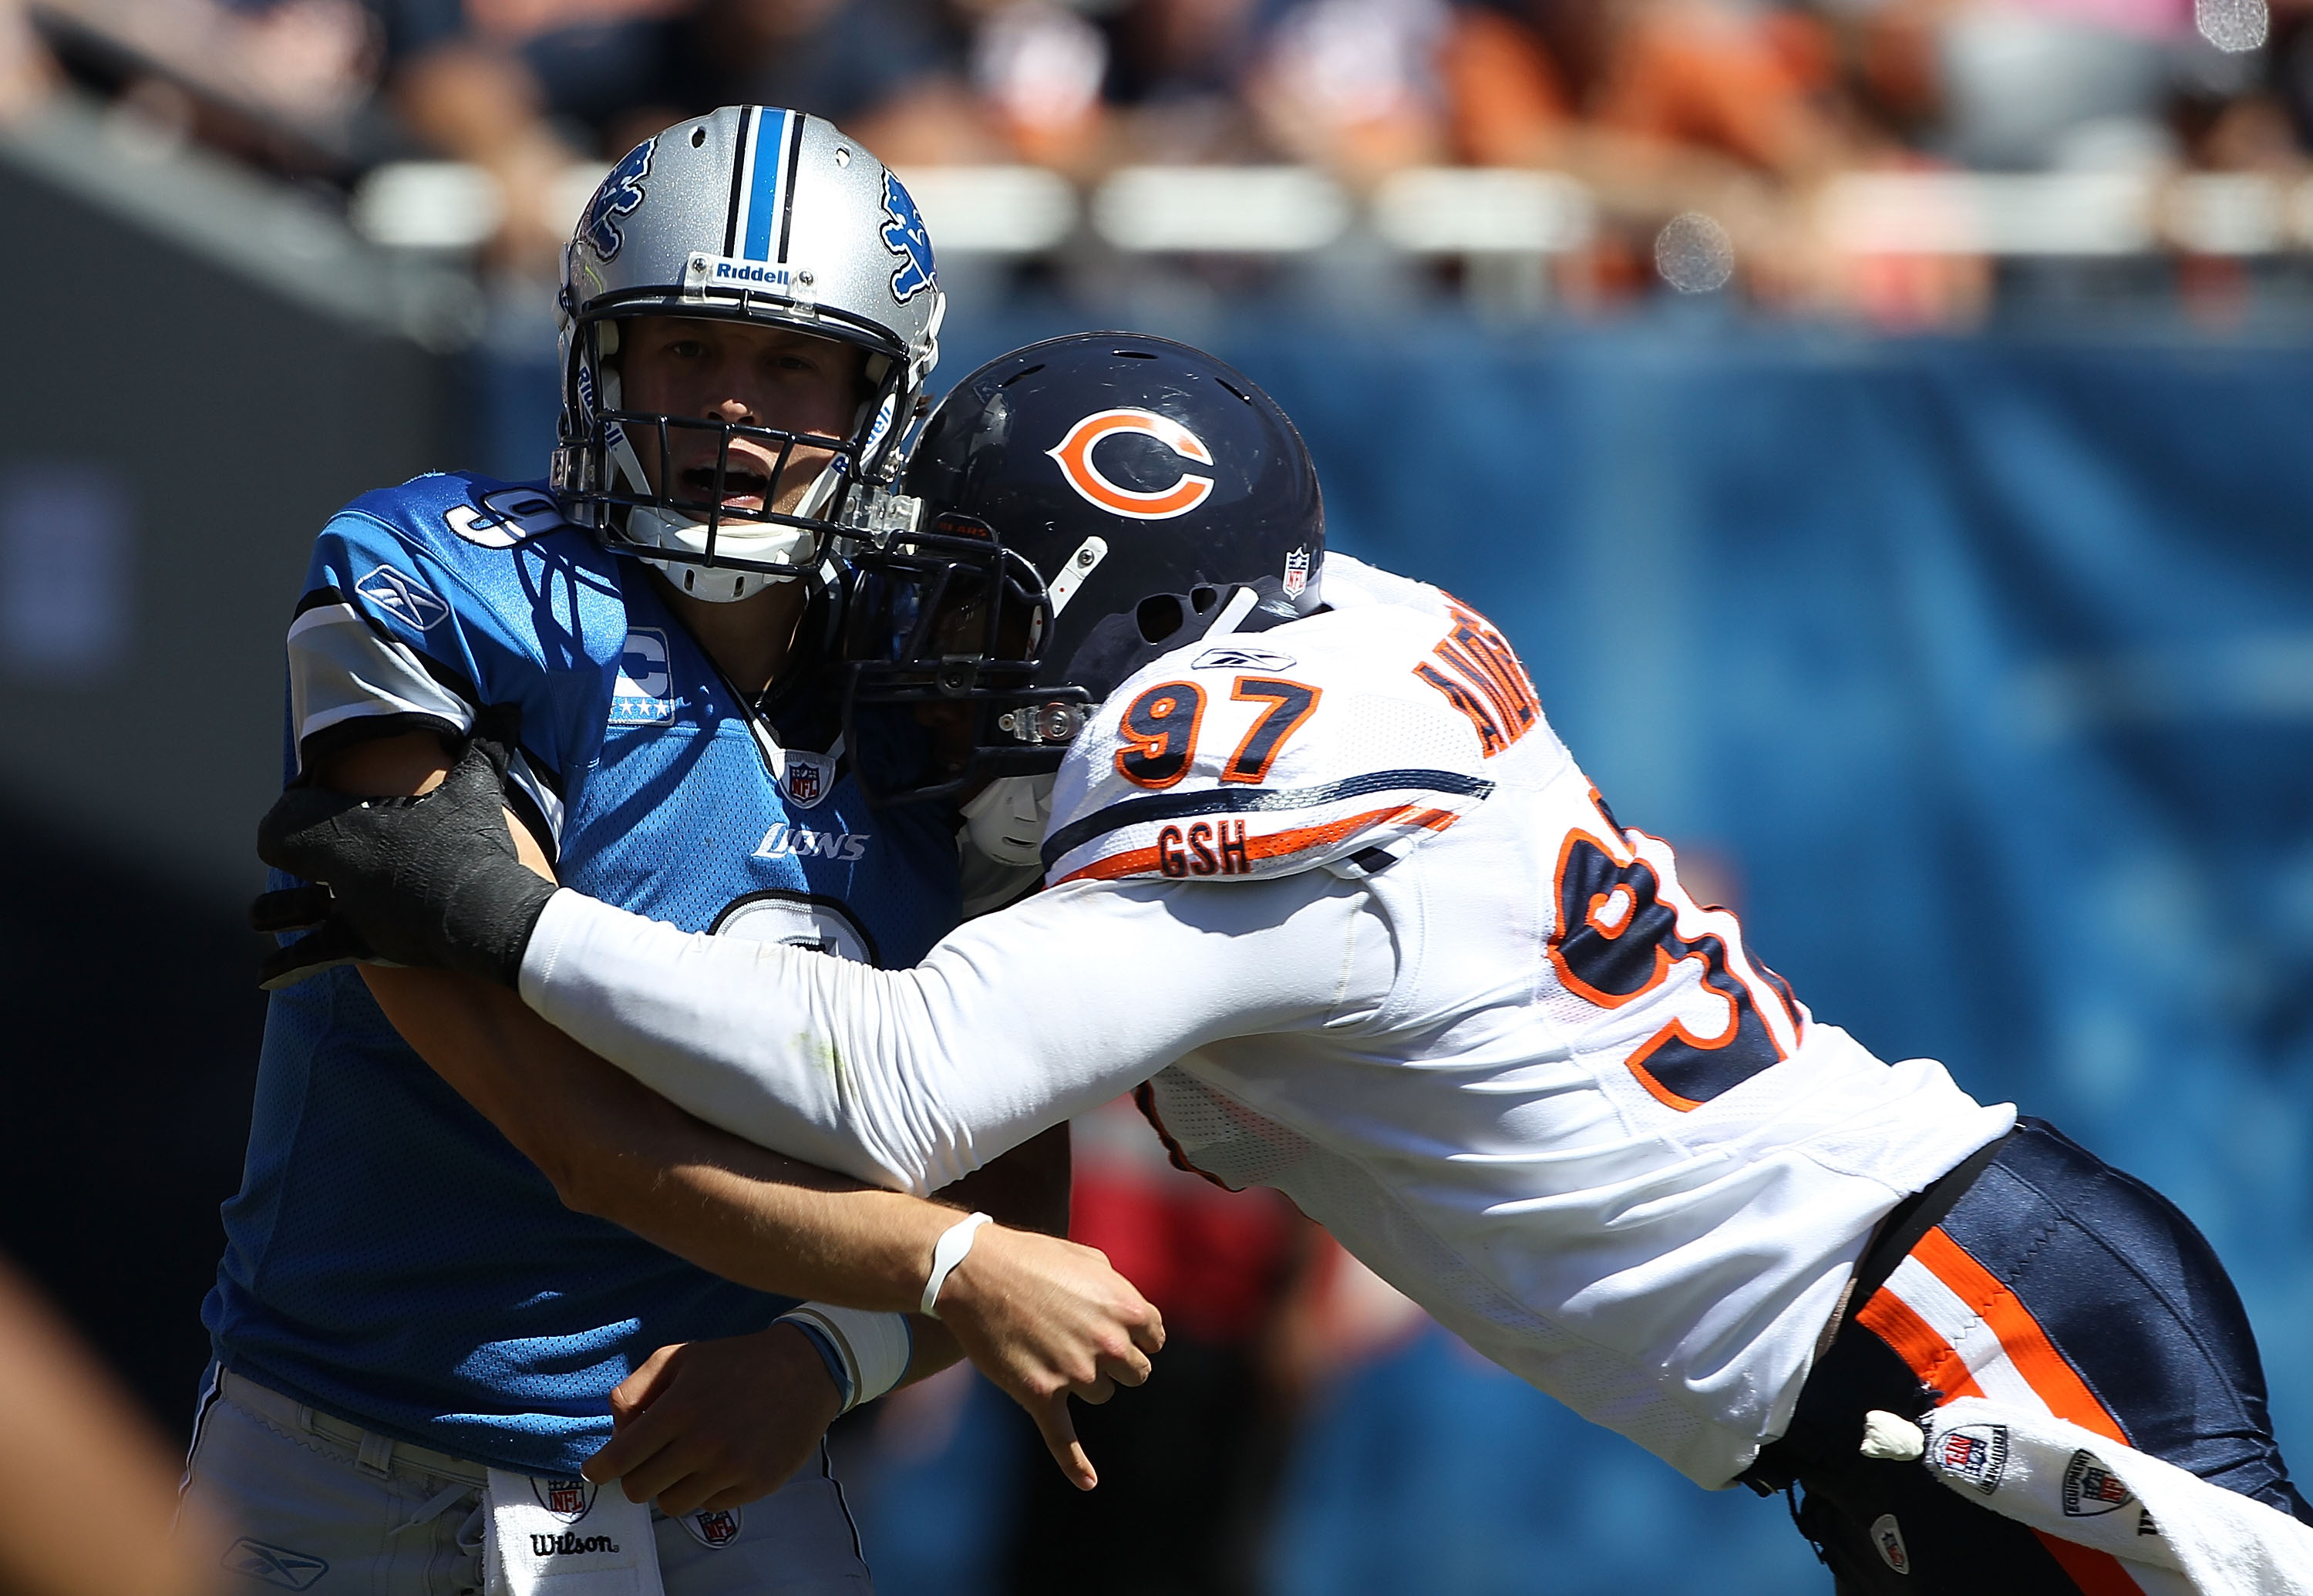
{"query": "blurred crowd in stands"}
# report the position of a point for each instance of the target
(1739, 109)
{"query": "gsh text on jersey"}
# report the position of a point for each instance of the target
(1204, 852)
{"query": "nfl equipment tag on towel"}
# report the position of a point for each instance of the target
(567, 1538)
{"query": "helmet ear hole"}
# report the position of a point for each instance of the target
(1202, 599)
(1159, 617)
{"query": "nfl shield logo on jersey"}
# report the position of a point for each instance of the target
(567, 1499)
(1297, 572)
(807, 778)
(714, 1530)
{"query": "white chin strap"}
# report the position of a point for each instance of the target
(1005, 819)
(654, 528)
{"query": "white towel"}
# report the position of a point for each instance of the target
(566, 1538)
(2160, 1520)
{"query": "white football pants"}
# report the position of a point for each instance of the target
(313, 1502)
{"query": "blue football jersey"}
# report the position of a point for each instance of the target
(390, 1257)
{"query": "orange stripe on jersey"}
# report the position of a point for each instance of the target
(1915, 1341)
(2026, 1344)
(2096, 1572)
(1141, 861)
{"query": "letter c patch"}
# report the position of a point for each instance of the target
(1076, 461)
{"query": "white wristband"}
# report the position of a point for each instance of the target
(875, 1349)
(947, 1252)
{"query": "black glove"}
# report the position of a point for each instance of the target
(300, 909)
(431, 881)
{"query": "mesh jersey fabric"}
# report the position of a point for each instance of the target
(1517, 1068)
(1341, 741)
(390, 1257)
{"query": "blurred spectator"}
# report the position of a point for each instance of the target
(1039, 67)
(2076, 83)
(277, 81)
(88, 1499)
(522, 88)
(1661, 106)
(2289, 77)
(2253, 112)
(26, 74)
(1354, 84)
(1173, 76)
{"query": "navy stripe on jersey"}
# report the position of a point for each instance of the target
(1175, 806)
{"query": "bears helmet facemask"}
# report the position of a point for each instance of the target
(1087, 504)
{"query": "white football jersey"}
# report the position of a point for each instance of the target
(1340, 890)
(1604, 1144)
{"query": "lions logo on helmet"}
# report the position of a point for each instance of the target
(620, 195)
(707, 221)
(905, 234)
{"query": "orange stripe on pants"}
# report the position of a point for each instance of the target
(1926, 1353)
(2026, 1344)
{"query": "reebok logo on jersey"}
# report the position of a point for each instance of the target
(1236, 656)
(784, 841)
(405, 599)
(273, 1565)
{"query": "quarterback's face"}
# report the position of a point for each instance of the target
(729, 371)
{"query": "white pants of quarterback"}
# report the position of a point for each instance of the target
(313, 1502)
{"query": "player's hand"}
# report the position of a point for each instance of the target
(1047, 1320)
(312, 909)
(715, 1424)
(432, 881)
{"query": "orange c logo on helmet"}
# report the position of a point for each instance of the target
(1075, 456)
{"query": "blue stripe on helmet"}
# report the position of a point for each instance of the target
(772, 129)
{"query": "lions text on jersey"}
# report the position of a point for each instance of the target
(390, 1258)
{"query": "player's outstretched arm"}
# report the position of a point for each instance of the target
(688, 1432)
(909, 1079)
(1041, 1317)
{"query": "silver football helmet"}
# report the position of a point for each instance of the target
(751, 214)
